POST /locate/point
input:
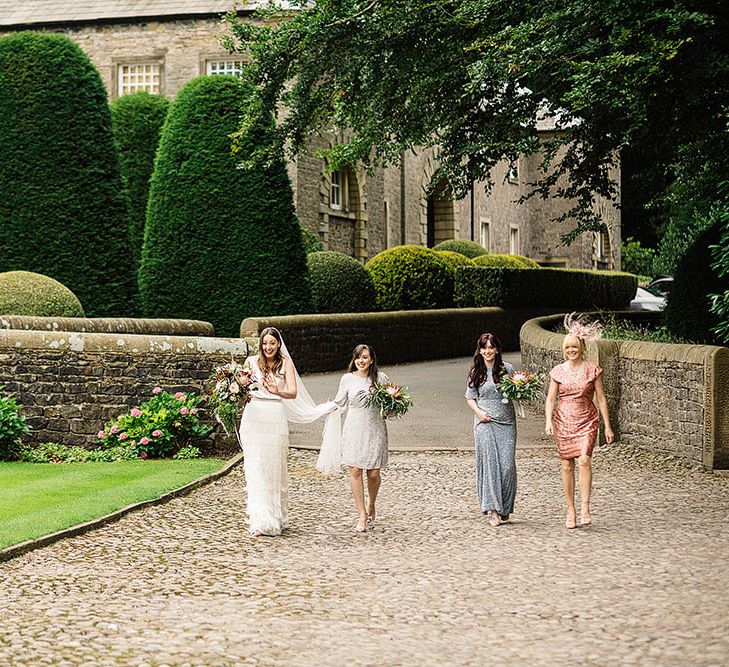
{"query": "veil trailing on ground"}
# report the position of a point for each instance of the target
(304, 410)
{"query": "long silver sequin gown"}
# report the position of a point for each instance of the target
(495, 447)
(364, 434)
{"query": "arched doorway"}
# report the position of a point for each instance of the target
(440, 216)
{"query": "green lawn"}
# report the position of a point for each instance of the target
(37, 499)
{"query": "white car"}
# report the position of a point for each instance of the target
(645, 300)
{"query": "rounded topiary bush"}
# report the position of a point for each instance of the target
(409, 277)
(339, 283)
(221, 243)
(687, 313)
(455, 259)
(63, 211)
(137, 121)
(506, 261)
(26, 293)
(463, 246)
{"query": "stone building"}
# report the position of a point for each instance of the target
(159, 45)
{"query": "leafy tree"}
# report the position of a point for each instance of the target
(221, 244)
(635, 258)
(63, 212)
(472, 77)
(137, 123)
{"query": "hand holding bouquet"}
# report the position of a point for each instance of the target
(230, 390)
(520, 386)
(392, 400)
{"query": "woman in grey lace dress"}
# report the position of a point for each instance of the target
(494, 428)
(364, 434)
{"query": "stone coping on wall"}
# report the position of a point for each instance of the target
(537, 334)
(110, 342)
(118, 325)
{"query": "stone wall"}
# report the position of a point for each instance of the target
(118, 325)
(666, 398)
(325, 342)
(70, 384)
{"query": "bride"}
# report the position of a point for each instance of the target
(279, 397)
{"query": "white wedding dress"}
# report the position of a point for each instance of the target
(264, 435)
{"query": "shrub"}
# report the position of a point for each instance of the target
(12, 426)
(506, 261)
(573, 289)
(312, 243)
(455, 259)
(339, 284)
(63, 211)
(465, 247)
(411, 277)
(159, 427)
(635, 258)
(53, 452)
(137, 124)
(221, 243)
(26, 293)
(688, 309)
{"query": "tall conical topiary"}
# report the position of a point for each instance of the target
(63, 212)
(221, 244)
(137, 121)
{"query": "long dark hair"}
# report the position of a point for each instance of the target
(278, 361)
(478, 372)
(373, 372)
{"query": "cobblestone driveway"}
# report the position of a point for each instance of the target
(183, 584)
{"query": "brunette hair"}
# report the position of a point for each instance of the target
(478, 372)
(278, 360)
(373, 372)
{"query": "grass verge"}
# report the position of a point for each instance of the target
(37, 499)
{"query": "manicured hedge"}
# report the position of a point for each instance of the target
(506, 261)
(63, 211)
(26, 293)
(137, 121)
(575, 289)
(410, 277)
(456, 259)
(339, 283)
(222, 243)
(465, 247)
(687, 312)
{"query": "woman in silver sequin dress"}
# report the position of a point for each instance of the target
(364, 434)
(494, 428)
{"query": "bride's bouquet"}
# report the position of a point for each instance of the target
(230, 389)
(392, 400)
(519, 387)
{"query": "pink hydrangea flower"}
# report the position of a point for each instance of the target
(180, 395)
(178, 424)
(123, 436)
(184, 411)
(156, 390)
(156, 433)
(136, 412)
(102, 434)
(143, 455)
(144, 441)
(193, 411)
(114, 428)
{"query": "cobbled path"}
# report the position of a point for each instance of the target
(432, 584)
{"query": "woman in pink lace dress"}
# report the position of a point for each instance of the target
(574, 422)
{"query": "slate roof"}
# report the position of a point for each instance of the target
(33, 12)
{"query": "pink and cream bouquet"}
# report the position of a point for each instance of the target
(519, 387)
(392, 400)
(230, 388)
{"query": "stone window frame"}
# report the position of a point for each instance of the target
(514, 248)
(338, 189)
(220, 56)
(116, 63)
(484, 223)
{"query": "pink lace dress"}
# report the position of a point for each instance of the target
(576, 417)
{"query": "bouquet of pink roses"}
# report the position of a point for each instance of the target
(230, 389)
(392, 400)
(520, 386)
